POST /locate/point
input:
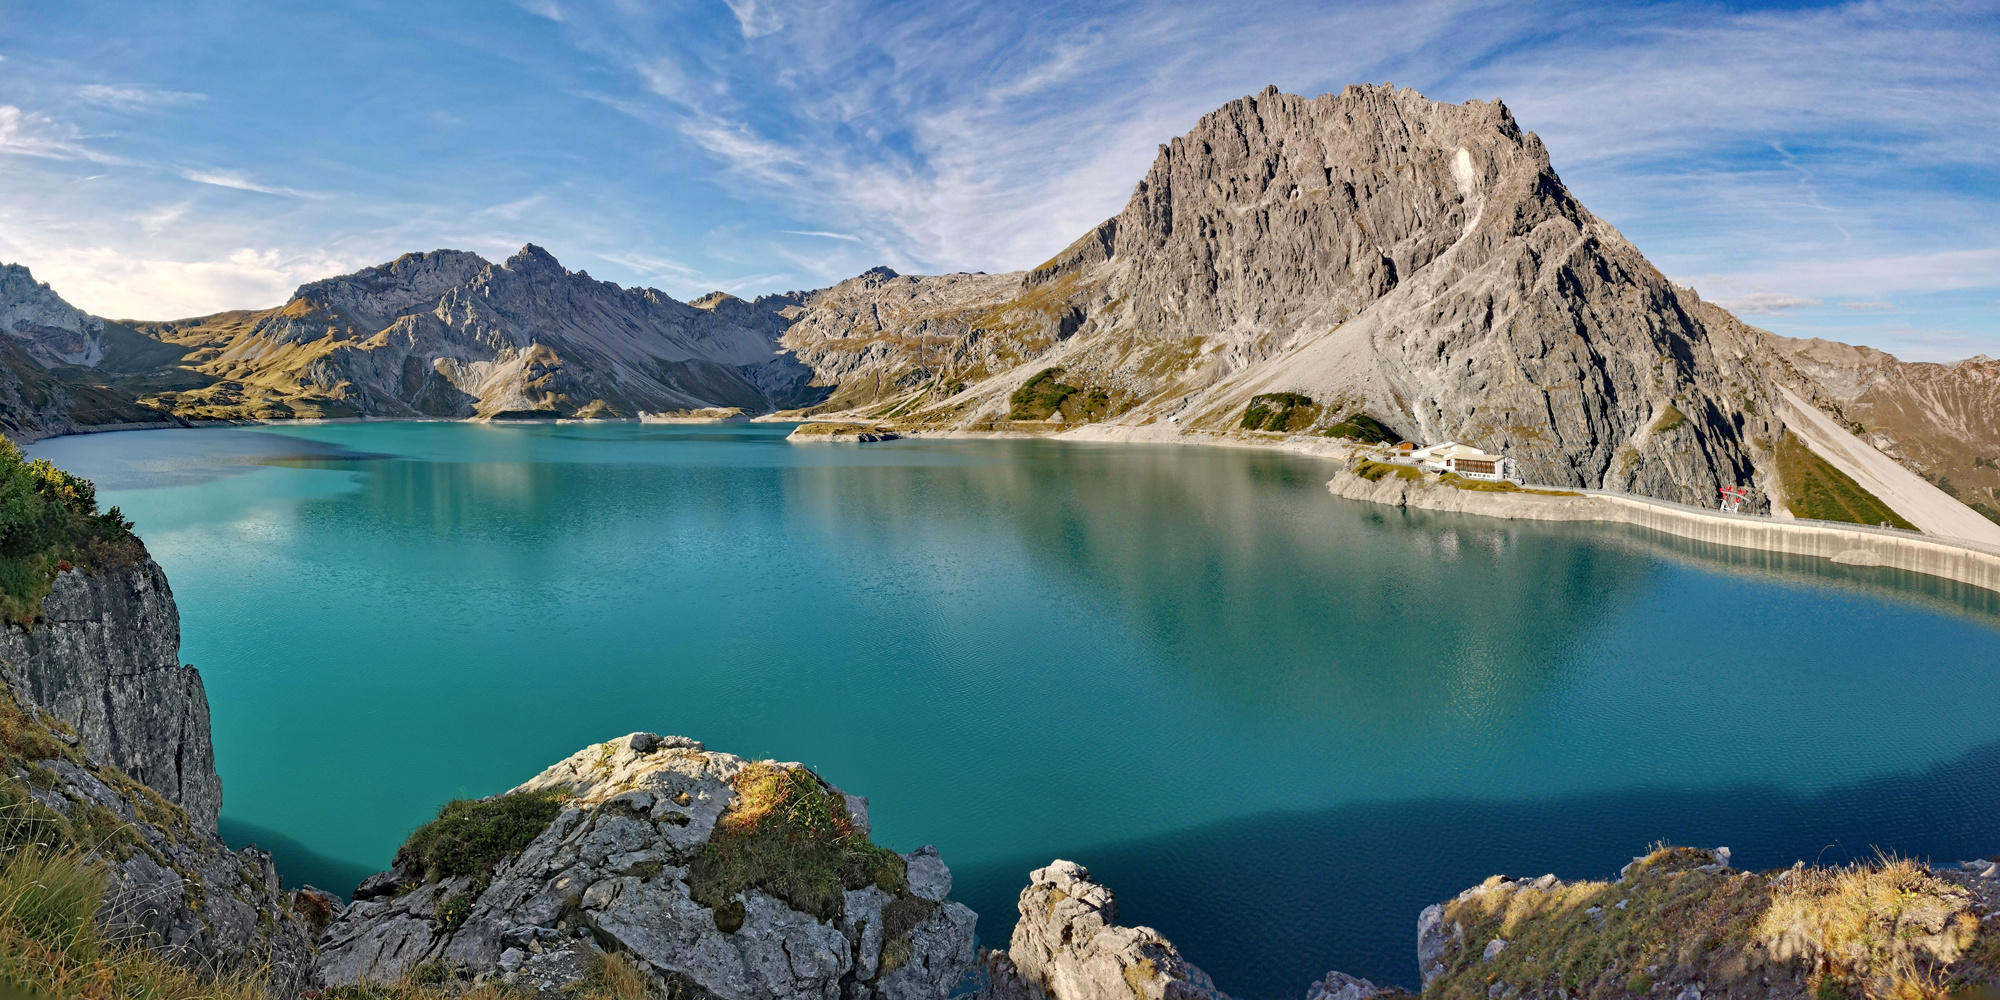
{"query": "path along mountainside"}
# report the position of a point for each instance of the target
(1285, 267)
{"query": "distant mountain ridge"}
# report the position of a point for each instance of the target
(1367, 252)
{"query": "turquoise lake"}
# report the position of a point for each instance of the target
(1276, 723)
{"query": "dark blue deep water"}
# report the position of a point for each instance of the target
(1276, 723)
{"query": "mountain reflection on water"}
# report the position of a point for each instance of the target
(1276, 722)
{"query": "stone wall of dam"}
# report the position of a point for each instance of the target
(1960, 560)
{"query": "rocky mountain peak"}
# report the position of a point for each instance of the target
(713, 299)
(52, 330)
(533, 260)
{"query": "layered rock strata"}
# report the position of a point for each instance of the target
(629, 866)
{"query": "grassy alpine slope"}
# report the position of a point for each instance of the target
(1817, 490)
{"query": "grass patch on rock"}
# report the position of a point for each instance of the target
(821, 429)
(52, 946)
(1041, 395)
(1883, 930)
(1282, 412)
(471, 836)
(1375, 471)
(789, 835)
(1477, 485)
(1815, 489)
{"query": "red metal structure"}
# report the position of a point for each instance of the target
(1733, 498)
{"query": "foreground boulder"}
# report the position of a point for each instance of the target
(714, 875)
(1068, 946)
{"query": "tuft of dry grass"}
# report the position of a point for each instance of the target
(1889, 927)
(614, 977)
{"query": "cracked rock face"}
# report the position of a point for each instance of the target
(172, 884)
(1371, 249)
(615, 871)
(1068, 946)
(105, 659)
(50, 329)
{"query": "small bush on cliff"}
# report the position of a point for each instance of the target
(789, 835)
(470, 836)
(1040, 396)
(1359, 426)
(1280, 411)
(49, 522)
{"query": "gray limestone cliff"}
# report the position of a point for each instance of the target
(104, 659)
(713, 875)
(107, 752)
(1369, 251)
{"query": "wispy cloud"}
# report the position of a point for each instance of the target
(514, 209)
(136, 96)
(1765, 303)
(25, 133)
(541, 8)
(756, 17)
(831, 236)
(156, 221)
(236, 181)
(1868, 306)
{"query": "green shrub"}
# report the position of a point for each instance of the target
(49, 522)
(470, 836)
(789, 835)
(1359, 426)
(1040, 396)
(1279, 411)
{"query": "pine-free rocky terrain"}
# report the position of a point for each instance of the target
(1370, 255)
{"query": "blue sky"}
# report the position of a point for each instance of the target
(1826, 170)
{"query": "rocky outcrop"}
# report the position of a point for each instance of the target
(172, 884)
(1068, 946)
(51, 330)
(1681, 922)
(715, 875)
(104, 658)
